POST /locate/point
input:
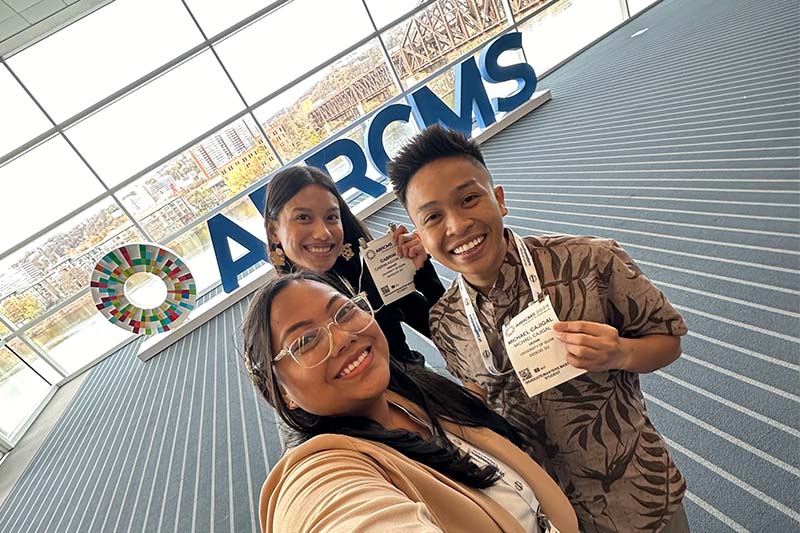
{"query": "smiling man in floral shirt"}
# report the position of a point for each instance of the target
(592, 432)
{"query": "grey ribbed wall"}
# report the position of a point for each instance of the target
(682, 144)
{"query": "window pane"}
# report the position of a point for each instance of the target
(59, 264)
(565, 28)
(18, 109)
(520, 8)
(397, 134)
(384, 12)
(103, 52)
(199, 179)
(440, 33)
(21, 392)
(41, 186)
(215, 16)
(245, 214)
(77, 334)
(319, 106)
(32, 358)
(269, 53)
(136, 130)
(195, 248)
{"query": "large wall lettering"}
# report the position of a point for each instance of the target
(471, 102)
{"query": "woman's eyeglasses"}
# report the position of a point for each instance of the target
(313, 346)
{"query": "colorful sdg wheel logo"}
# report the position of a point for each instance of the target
(149, 275)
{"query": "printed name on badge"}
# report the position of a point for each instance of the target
(539, 359)
(393, 275)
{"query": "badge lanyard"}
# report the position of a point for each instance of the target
(347, 284)
(472, 316)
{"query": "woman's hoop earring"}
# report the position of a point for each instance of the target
(347, 252)
(277, 256)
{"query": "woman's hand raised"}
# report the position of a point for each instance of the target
(409, 245)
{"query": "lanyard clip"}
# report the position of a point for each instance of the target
(539, 298)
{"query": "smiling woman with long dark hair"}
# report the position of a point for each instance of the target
(391, 447)
(310, 227)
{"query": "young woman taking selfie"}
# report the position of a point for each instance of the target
(388, 446)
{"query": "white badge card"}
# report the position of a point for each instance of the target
(539, 359)
(393, 275)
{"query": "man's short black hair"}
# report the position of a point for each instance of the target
(431, 144)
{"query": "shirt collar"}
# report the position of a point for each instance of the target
(507, 277)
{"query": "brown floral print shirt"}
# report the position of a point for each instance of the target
(591, 433)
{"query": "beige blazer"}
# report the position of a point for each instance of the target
(340, 483)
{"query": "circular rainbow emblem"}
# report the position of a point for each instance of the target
(117, 266)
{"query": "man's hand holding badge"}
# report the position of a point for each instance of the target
(534, 349)
(591, 346)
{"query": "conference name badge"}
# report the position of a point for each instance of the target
(539, 359)
(393, 275)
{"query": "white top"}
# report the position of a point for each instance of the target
(511, 490)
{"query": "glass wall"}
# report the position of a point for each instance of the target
(21, 391)
(185, 109)
(553, 34)
(440, 33)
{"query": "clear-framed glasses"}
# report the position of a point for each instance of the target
(313, 346)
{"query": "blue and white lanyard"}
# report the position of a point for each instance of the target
(472, 316)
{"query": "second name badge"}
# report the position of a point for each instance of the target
(539, 359)
(393, 275)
